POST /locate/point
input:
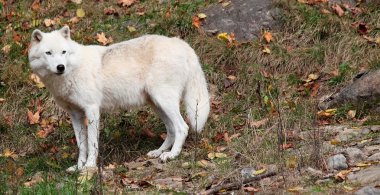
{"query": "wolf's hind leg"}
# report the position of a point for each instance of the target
(169, 140)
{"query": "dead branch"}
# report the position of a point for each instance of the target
(237, 184)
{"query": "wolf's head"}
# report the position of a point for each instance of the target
(51, 53)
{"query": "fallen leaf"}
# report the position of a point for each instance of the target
(37, 178)
(259, 123)
(220, 155)
(131, 28)
(109, 11)
(327, 113)
(8, 153)
(311, 77)
(49, 22)
(211, 155)
(74, 20)
(33, 118)
(222, 36)
(351, 113)
(186, 165)
(36, 80)
(16, 37)
(80, 13)
(196, 21)
(260, 171)
(325, 11)
(295, 189)
(334, 142)
(285, 146)
(362, 28)
(2, 100)
(36, 5)
(348, 188)
(101, 38)
(225, 4)
(341, 176)
(338, 10)
(363, 164)
(76, 1)
(268, 36)
(250, 189)
(6, 49)
(201, 16)
(44, 132)
(266, 50)
(292, 162)
(126, 3)
(205, 164)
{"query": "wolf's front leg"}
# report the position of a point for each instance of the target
(77, 119)
(93, 115)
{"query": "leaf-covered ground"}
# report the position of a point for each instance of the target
(264, 94)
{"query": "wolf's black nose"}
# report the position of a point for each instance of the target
(60, 68)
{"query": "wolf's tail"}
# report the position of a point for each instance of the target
(196, 98)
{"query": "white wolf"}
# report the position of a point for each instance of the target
(151, 69)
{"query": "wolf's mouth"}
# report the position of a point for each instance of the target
(59, 73)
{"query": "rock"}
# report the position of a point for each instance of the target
(368, 190)
(354, 155)
(363, 89)
(247, 172)
(314, 172)
(347, 134)
(375, 128)
(337, 162)
(365, 131)
(369, 150)
(367, 176)
(374, 157)
(245, 19)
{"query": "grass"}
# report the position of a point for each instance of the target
(308, 42)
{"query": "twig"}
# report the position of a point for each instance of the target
(237, 184)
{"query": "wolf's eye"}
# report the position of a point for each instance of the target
(48, 53)
(63, 52)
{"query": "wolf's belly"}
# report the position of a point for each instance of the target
(122, 97)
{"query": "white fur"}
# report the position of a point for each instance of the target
(151, 69)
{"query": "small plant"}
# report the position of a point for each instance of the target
(343, 70)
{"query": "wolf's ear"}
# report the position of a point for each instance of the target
(65, 31)
(37, 35)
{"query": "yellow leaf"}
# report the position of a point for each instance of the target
(186, 165)
(220, 155)
(266, 50)
(363, 164)
(80, 13)
(332, 110)
(268, 36)
(201, 16)
(291, 162)
(101, 38)
(6, 49)
(225, 4)
(223, 36)
(231, 77)
(211, 155)
(334, 142)
(378, 40)
(351, 113)
(258, 172)
(295, 189)
(2, 100)
(131, 28)
(348, 188)
(7, 152)
(36, 80)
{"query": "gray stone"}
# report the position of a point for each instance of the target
(368, 190)
(375, 128)
(354, 155)
(247, 172)
(347, 134)
(369, 150)
(367, 176)
(337, 162)
(374, 157)
(365, 131)
(244, 18)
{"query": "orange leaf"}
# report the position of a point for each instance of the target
(101, 38)
(33, 118)
(196, 22)
(126, 3)
(268, 36)
(338, 10)
(285, 146)
(36, 5)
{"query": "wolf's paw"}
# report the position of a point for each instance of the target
(154, 153)
(168, 155)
